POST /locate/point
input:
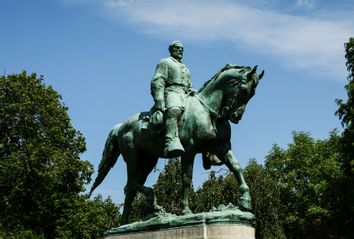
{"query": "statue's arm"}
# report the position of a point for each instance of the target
(158, 84)
(191, 90)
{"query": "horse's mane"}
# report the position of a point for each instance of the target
(241, 69)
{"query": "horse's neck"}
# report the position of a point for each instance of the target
(212, 97)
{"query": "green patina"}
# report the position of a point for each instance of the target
(182, 123)
(224, 214)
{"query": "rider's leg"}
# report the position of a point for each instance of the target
(173, 146)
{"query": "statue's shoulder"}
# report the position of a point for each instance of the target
(166, 61)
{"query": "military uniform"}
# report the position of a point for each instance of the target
(169, 88)
(171, 83)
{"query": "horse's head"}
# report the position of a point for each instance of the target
(228, 91)
(241, 85)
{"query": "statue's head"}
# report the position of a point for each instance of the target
(176, 50)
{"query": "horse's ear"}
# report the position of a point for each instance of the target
(261, 75)
(252, 71)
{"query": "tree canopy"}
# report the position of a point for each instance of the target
(346, 145)
(41, 173)
(306, 172)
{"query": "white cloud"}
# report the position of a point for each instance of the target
(298, 41)
(305, 3)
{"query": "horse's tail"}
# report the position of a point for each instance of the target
(110, 155)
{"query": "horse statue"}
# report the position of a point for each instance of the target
(204, 128)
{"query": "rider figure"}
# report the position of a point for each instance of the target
(169, 88)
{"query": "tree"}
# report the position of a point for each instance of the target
(307, 173)
(168, 188)
(346, 146)
(41, 174)
(168, 192)
(88, 218)
(266, 203)
(217, 190)
(224, 189)
(214, 192)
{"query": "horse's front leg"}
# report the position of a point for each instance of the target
(187, 175)
(234, 166)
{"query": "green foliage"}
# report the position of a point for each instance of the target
(216, 191)
(139, 209)
(306, 173)
(88, 218)
(266, 202)
(224, 189)
(41, 174)
(20, 233)
(168, 188)
(346, 114)
(209, 194)
(219, 190)
(168, 191)
(346, 109)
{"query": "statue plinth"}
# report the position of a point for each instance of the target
(230, 231)
(224, 222)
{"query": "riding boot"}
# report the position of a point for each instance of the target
(173, 146)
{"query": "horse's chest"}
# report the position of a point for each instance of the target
(205, 130)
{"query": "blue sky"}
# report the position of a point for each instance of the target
(100, 56)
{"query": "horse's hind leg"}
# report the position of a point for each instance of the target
(187, 175)
(146, 166)
(130, 189)
(130, 193)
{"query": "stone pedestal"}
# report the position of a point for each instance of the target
(229, 231)
(224, 222)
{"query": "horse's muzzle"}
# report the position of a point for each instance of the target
(237, 115)
(235, 118)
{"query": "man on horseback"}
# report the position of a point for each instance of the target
(221, 99)
(170, 86)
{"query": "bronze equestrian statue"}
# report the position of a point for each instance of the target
(203, 127)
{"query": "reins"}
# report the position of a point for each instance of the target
(213, 112)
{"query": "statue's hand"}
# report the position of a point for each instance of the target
(157, 118)
(192, 91)
(159, 106)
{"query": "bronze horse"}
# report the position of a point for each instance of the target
(203, 128)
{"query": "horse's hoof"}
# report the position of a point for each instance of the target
(187, 211)
(149, 216)
(245, 203)
(159, 210)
